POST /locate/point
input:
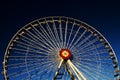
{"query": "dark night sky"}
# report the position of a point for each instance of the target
(102, 15)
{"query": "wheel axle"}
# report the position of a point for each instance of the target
(65, 54)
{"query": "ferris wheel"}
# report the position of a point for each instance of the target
(59, 48)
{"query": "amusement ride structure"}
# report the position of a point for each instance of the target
(59, 48)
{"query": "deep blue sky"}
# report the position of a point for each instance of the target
(102, 15)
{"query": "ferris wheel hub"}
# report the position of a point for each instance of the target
(65, 54)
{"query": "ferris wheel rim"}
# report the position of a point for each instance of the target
(92, 28)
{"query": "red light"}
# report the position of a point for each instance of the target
(65, 53)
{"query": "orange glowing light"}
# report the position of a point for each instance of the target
(65, 53)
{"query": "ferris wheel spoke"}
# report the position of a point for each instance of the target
(83, 55)
(85, 66)
(35, 43)
(39, 34)
(28, 40)
(61, 32)
(87, 61)
(92, 47)
(91, 58)
(84, 40)
(16, 65)
(82, 34)
(47, 35)
(21, 72)
(47, 68)
(28, 56)
(91, 75)
(36, 38)
(87, 44)
(89, 49)
(30, 50)
(74, 38)
(95, 71)
(31, 53)
(24, 66)
(65, 36)
(24, 38)
(49, 71)
(89, 53)
(70, 34)
(92, 53)
(31, 45)
(33, 48)
(92, 65)
(29, 62)
(43, 63)
(21, 59)
(40, 37)
(52, 34)
(34, 74)
(24, 71)
(31, 59)
(84, 58)
(56, 32)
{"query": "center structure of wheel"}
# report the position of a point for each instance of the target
(65, 54)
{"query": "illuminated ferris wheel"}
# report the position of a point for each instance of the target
(59, 48)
